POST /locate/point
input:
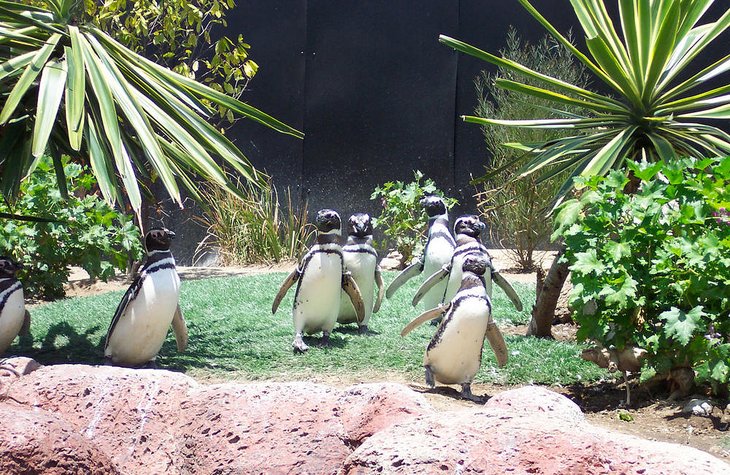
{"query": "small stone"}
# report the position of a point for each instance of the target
(698, 407)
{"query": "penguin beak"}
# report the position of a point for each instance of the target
(170, 234)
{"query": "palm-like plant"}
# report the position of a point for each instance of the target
(70, 88)
(654, 106)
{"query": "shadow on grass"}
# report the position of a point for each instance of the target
(63, 344)
(354, 330)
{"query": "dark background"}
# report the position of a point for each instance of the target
(375, 93)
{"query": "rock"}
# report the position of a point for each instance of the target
(393, 261)
(40, 443)
(84, 419)
(698, 407)
(516, 432)
(18, 366)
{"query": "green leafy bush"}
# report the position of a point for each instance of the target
(516, 209)
(254, 229)
(652, 269)
(403, 220)
(87, 231)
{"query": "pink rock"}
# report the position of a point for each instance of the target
(526, 430)
(40, 443)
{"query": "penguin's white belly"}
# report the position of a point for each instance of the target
(318, 300)
(457, 356)
(362, 266)
(11, 319)
(438, 254)
(141, 330)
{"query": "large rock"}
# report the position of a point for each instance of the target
(83, 419)
(526, 430)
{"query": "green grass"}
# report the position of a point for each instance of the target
(234, 336)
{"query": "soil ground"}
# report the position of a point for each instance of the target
(650, 416)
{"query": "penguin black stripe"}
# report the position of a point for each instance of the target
(468, 248)
(364, 248)
(8, 291)
(441, 234)
(5, 284)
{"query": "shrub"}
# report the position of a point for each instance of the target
(403, 220)
(254, 229)
(87, 231)
(516, 209)
(652, 269)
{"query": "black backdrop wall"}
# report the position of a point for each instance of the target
(373, 90)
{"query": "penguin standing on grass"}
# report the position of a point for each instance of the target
(147, 309)
(14, 318)
(319, 276)
(361, 260)
(467, 228)
(454, 354)
(437, 253)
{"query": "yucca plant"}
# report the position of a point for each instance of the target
(70, 88)
(655, 101)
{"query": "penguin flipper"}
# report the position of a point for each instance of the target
(496, 341)
(426, 316)
(288, 282)
(25, 329)
(508, 289)
(434, 279)
(353, 291)
(128, 296)
(180, 329)
(381, 289)
(405, 275)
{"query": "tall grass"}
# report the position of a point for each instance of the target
(255, 229)
(516, 210)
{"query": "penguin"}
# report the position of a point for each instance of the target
(467, 228)
(436, 254)
(14, 318)
(361, 260)
(454, 354)
(148, 308)
(319, 276)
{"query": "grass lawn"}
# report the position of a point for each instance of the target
(234, 336)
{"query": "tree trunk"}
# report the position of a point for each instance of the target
(543, 312)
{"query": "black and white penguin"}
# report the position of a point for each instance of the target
(361, 261)
(320, 275)
(14, 318)
(454, 354)
(467, 228)
(436, 254)
(148, 308)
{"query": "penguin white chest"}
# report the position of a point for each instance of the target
(317, 302)
(11, 316)
(362, 267)
(455, 352)
(141, 330)
(438, 254)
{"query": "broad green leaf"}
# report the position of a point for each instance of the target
(587, 263)
(568, 214)
(618, 250)
(50, 92)
(682, 325)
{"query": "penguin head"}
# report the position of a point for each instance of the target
(158, 239)
(433, 205)
(476, 264)
(9, 267)
(328, 222)
(470, 225)
(360, 225)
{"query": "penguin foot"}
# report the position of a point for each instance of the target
(466, 393)
(299, 345)
(362, 329)
(325, 340)
(429, 377)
